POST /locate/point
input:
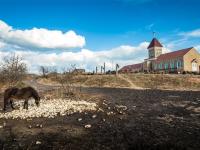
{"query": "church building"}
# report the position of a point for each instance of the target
(184, 60)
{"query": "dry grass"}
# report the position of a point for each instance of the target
(90, 81)
(106, 81)
(166, 81)
(153, 81)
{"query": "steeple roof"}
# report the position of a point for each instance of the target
(154, 43)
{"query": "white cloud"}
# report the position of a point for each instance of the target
(150, 26)
(22, 43)
(40, 38)
(85, 58)
(197, 47)
(2, 44)
(194, 33)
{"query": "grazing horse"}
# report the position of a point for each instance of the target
(23, 93)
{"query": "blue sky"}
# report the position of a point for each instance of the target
(105, 25)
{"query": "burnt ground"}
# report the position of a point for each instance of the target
(154, 119)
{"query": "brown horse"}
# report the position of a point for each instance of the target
(23, 93)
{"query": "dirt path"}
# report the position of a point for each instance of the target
(39, 86)
(132, 85)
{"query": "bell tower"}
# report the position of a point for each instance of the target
(155, 48)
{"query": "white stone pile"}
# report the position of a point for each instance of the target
(49, 108)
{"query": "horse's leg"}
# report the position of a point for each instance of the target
(5, 103)
(11, 103)
(26, 104)
(4, 108)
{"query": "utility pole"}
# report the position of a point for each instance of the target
(112, 64)
(104, 67)
(96, 69)
(117, 67)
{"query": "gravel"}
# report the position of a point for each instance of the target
(49, 108)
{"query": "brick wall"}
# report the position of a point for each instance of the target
(191, 55)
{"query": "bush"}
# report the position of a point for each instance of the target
(12, 70)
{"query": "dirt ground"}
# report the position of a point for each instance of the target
(128, 119)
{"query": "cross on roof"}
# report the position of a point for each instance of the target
(154, 34)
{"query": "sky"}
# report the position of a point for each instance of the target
(59, 33)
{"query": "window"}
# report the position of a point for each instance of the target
(172, 65)
(179, 64)
(166, 65)
(151, 54)
(160, 66)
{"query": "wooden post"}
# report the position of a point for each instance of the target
(96, 70)
(116, 69)
(104, 67)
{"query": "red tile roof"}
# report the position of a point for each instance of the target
(132, 67)
(172, 55)
(154, 43)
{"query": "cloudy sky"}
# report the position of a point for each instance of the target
(90, 32)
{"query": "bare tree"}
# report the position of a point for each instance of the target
(67, 81)
(12, 69)
(44, 71)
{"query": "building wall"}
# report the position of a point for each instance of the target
(155, 52)
(171, 65)
(147, 66)
(191, 55)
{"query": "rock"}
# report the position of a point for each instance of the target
(29, 126)
(49, 109)
(38, 142)
(29, 119)
(94, 116)
(100, 110)
(110, 113)
(1, 127)
(88, 126)
(39, 125)
(80, 119)
(121, 107)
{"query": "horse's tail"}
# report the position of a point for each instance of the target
(6, 97)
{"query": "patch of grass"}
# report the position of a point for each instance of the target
(153, 81)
